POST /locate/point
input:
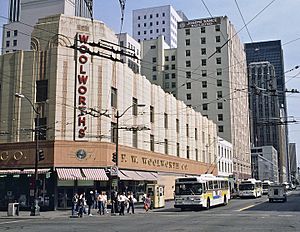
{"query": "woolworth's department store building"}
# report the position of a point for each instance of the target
(87, 101)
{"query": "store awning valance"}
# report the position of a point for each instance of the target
(123, 176)
(132, 175)
(69, 174)
(149, 176)
(94, 174)
(81, 174)
(25, 171)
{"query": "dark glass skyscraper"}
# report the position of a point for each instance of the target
(270, 51)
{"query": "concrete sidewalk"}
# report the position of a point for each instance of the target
(67, 213)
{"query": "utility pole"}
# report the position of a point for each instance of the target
(35, 209)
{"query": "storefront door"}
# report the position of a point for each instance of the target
(65, 195)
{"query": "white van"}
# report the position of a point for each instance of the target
(277, 192)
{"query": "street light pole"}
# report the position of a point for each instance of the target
(35, 209)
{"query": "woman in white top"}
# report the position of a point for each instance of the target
(122, 199)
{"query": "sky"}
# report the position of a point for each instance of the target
(266, 20)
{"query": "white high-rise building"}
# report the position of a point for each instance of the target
(131, 47)
(150, 23)
(208, 72)
(24, 14)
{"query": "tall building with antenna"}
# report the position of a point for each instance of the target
(24, 14)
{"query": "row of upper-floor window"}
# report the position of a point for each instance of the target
(203, 40)
(11, 33)
(151, 31)
(114, 94)
(205, 95)
(139, 17)
(224, 152)
(163, 22)
(188, 41)
(167, 85)
(225, 167)
(188, 63)
(202, 29)
(166, 76)
(14, 43)
(139, 40)
(130, 46)
(205, 107)
(188, 74)
(178, 150)
(204, 85)
(203, 51)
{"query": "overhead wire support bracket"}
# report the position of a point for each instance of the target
(100, 54)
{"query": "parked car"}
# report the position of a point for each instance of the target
(277, 192)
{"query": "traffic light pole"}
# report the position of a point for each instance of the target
(117, 138)
(35, 209)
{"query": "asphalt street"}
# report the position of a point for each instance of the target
(239, 215)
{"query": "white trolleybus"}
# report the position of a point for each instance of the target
(265, 186)
(250, 188)
(201, 192)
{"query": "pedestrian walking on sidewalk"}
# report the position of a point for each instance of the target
(90, 202)
(75, 204)
(131, 202)
(147, 202)
(122, 199)
(81, 205)
(102, 199)
(96, 199)
(114, 202)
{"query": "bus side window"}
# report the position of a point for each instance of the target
(215, 184)
(220, 184)
(210, 185)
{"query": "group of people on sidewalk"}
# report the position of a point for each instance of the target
(83, 203)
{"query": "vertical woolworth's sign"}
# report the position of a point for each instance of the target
(81, 93)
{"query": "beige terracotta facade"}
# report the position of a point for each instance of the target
(80, 86)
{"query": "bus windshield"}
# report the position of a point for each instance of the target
(188, 189)
(265, 185)
(246, 186)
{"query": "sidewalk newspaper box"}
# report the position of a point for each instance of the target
(157, 195)
(13, 209)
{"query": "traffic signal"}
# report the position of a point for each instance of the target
(114, 157)
(41, 155)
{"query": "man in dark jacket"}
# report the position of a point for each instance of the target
(90, 202)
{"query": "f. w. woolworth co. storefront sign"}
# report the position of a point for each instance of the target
(154, 162)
